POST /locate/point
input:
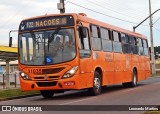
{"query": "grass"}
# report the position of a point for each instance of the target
(152, 112)
(4, 94)
(153, 75)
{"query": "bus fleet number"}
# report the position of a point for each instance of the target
(35, 71)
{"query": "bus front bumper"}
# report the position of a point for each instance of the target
(62, 84)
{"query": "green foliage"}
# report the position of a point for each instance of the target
(152, 112)
(14, 93)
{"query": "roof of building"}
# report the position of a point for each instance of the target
(8, 53)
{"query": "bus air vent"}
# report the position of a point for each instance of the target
(46, 84)
(52, 70)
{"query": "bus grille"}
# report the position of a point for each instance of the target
(42, 78)
(46, 84)
(52, 70)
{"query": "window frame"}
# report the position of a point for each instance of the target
(144, 48)
(88, 52)
(140, 41)
(98, 36)
(119, 41)
(109, 39)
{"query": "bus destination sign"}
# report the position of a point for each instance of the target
(46, 22)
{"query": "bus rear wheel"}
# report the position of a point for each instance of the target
(47, 93)
(134, 80)
(96, 89)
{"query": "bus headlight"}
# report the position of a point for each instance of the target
(70, 73)
(25, 76)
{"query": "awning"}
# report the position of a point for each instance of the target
(8, 53)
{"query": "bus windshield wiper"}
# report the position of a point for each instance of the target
(35, 40)
(51, 38)
(33, 36)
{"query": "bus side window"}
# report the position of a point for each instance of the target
(117, 46)
(136, 46)
(140, 45)
(132, 41)
(106, 39)
(145, 47)
(125, 45)
(96, 40)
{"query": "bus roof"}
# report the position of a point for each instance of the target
(106, 25)
(83, 17)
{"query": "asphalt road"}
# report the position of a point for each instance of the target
(146, 93)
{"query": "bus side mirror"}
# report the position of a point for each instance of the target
(10, 41)
(83, 32)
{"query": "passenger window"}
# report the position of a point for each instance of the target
(94, 31)
(145, 46)
(116, 36)
(134, 48)
(146, 53)
(106, 42)
(141, 50)
(131, 40)
(96, 40)
(125, 46)
(140, 42)
(104, 33)
(124, 38)
(145, 43)
(117, 46)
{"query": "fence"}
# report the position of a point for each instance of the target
(158, 68)
(13, 79)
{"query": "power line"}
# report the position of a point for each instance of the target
(121, 7)
(111, 9)
(156, 29)
(117, 4)
(156, 20)
(104, 14)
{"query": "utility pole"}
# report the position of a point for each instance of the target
(151, 39)
(7, 75)
(61, 6)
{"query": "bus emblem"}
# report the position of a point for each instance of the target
(46, 77)
(95, 56)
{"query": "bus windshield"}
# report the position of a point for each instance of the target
(47, 47)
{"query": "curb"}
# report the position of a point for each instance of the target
(19, 97)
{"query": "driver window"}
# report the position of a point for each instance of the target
(84, 45)
(84, 42)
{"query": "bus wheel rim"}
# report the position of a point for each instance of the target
(97, 83)
(134, 79)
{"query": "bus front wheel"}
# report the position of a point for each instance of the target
(96, 89)
(47, 93)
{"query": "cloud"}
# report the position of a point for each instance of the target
(12, 12)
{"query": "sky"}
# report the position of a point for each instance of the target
(121, 13)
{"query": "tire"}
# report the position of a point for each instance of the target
(97, 88)
(134, 80)
(47, 93)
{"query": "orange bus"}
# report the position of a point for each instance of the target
(64, 52)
